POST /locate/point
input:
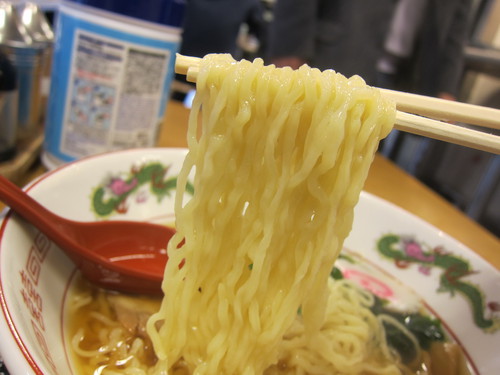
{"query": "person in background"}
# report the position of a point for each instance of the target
(344, 35)
(423, 53)
(424, 47)
(415, 45)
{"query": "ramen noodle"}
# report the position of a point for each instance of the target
(280, 163)
(280, 157)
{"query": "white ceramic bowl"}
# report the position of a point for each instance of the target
(35, 275)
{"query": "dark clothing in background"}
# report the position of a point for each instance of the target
(437, 64)
(348, 36)
(212, 26)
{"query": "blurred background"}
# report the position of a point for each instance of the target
(457, 41)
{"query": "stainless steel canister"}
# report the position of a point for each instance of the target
(26, 56)
(41, 32)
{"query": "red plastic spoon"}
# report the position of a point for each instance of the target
(126, 256)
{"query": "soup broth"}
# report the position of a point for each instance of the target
(106, 330)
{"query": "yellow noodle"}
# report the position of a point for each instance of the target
(280, 163)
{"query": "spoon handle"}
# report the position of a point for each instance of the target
(18, 200)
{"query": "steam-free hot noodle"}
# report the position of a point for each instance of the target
(280, 158)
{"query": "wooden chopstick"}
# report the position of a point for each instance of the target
(446, 132)
(418, 106)
(187, 65)
(445, 109)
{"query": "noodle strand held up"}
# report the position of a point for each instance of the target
(279, 166)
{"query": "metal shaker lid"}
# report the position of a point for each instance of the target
(12, 32)
(36, 23)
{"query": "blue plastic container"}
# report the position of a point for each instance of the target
(112, 68)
